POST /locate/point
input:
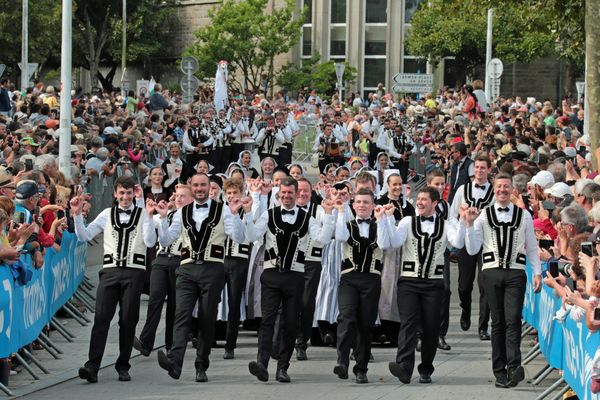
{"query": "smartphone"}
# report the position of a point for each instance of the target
(587, 248)
(28, 164)
(546, 243)
(60, 214)
(597, 314)
(582, 149)
(19, 217)
(553, 268)
(548, 205)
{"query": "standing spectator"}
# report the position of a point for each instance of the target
(5, 106)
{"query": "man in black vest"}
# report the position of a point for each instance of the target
(285, 228)
(360, 282)
(203, 226)
(122, 276)
(479, 194)
(462, 169)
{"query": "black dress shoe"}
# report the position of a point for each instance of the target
(124, 376)
(301, 354)
(201, 376)
(88, 374)
(341, 371)
(228, 355)
(483, 335)
(465, 320)
(442, 345)
(515, 375)
(137, 344)
(361, 377)
(259, 371)
(399, 372)
(282, 376)
(418, 348)
(424, 378)
(165, 364)
(502, 382)
(328, 338)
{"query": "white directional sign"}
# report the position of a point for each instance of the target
(189, 83)
(579, 85)
(495, 68)
(189, 65)
(413, 83)
(32, 67)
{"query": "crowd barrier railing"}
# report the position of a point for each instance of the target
(567, 345)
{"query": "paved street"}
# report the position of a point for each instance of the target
(462, 373)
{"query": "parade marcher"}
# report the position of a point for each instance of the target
(330, 149)
(424, 239)
(127, 233)
(162, 281)
(287, 228)
(197, 141)
(269, 139)
(203, 226)
(285, 150)
(400, 147)
(360, 281)
(237, 258)
(505, 236)
(478, 193)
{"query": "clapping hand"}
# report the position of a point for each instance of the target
(247, 204)
(150, 206)
(327, 205)
(379, 212)
(162, 208)
(389, 209)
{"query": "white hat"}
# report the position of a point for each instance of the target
(559, 190)
(524, 148)
(544, 179)
(570, 152)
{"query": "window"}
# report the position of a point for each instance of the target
(338, 11)
(376, 11)
(414, 66)
(306, 48)
(338, 41)
(375, 40)
(308, 11)
(374, 72)
(410, 6)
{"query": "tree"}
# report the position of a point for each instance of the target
(441, 29)
(97, 33)
(248, 37)
(44, 33)
(314, 74)
(592, 46)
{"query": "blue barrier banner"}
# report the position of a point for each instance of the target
(25, 310)
(580, 346)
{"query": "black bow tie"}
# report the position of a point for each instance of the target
(284, 211)
(364, 221)
(430, 219)
(303, 207)
(503, 209)
(482, 187)
(201, 205)
(121, 211)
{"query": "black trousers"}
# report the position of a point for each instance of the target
(285, 154)
(122, 286)
(162, 284)
(312, 275)
(279, 289)
(215, 158)
(373, 151)
(202, 283)
(358, 299)
(402, 165)
(445, 308)
(419, 300)
(467, 268)
(236, 273)
(505, 290)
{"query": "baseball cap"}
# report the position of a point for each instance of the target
(570, 152)
(559, 190)
(26, 189)
(544, 179)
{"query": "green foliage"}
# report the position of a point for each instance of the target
(458, 28)
(248, 37)
(44, 33)
(314, 74)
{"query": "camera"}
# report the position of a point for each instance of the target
(555, 267)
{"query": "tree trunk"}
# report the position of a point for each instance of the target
(106, 81)
(592, 67)
(569, 83)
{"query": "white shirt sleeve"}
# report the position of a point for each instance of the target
(255, 230)
(474, 236)
(167, 234)
(87, 233)
(455, 233)
(531, 245)
(148, 230)
(322, 232)
(187, 143)
(399, 233)
(383, 237)
(453, 212)
(341, 229)
(234, 228)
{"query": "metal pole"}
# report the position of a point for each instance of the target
(27, 366)
(124, 46)
(551, 389)
(25, 46)
(64, 150)
(35, 361)
(488, 53)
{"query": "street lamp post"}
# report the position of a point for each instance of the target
(64, 148)
(25, 46)
(124, 51)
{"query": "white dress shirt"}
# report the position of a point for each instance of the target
(455, 231)
(342, 233)
(459, 197)
(323, 233)
(232, 224)
(474, 235)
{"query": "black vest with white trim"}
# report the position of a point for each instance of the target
(174, 249)
(481, 203)
(503, 242)
(423, 254)
(361, 254)
(285, 244)
(314, 249)
(237, 250)
(207, 243)
(123, 242)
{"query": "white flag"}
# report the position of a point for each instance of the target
(220, 97)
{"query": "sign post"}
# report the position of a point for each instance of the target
(413, 83)
(339, 73)
(495, 69)
(189, 83)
